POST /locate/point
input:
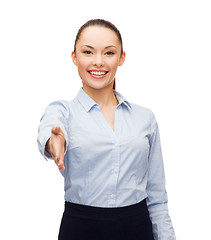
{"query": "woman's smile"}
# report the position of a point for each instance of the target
(97, 74)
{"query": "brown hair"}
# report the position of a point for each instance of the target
(103, 23)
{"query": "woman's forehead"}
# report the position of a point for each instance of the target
(98, 35)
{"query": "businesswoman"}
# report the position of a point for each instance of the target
(107, 148)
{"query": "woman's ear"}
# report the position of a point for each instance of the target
(73, 55)
(122, 59)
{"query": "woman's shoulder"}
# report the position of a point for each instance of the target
(135, 107)
(61, 106)
(59, 103)
(143, 112)
(141, 108)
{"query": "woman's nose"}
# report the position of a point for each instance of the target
(98, 60)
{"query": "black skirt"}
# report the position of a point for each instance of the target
(82, 222)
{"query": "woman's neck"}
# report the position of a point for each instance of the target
(104, 97)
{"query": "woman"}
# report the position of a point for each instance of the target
(107, 149)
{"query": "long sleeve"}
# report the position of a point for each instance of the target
(157, 196)
(56, 114)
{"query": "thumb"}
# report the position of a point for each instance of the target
(56, 130)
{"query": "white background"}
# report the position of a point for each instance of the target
(167, 68)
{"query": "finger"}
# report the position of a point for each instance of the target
(61, 167)
(60, 163)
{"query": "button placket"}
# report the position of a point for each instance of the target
(115, 160)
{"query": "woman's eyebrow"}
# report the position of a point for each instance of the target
(93, 47)
(110, 46)
(87, 46)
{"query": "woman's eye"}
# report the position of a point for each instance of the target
(87, 52)
(109, 53)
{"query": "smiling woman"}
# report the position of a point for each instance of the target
(97, 54)
(107, 148)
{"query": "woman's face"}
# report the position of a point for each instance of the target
(97, 56)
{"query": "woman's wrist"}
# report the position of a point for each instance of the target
(47, 148)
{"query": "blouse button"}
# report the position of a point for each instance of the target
(112, 195)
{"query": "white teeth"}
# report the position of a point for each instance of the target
(98, 73)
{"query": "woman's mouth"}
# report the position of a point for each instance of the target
(98, 74)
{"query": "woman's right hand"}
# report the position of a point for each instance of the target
(56, 146)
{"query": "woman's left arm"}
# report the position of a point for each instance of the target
(157, 196)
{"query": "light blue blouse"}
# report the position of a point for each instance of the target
(106, 167)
